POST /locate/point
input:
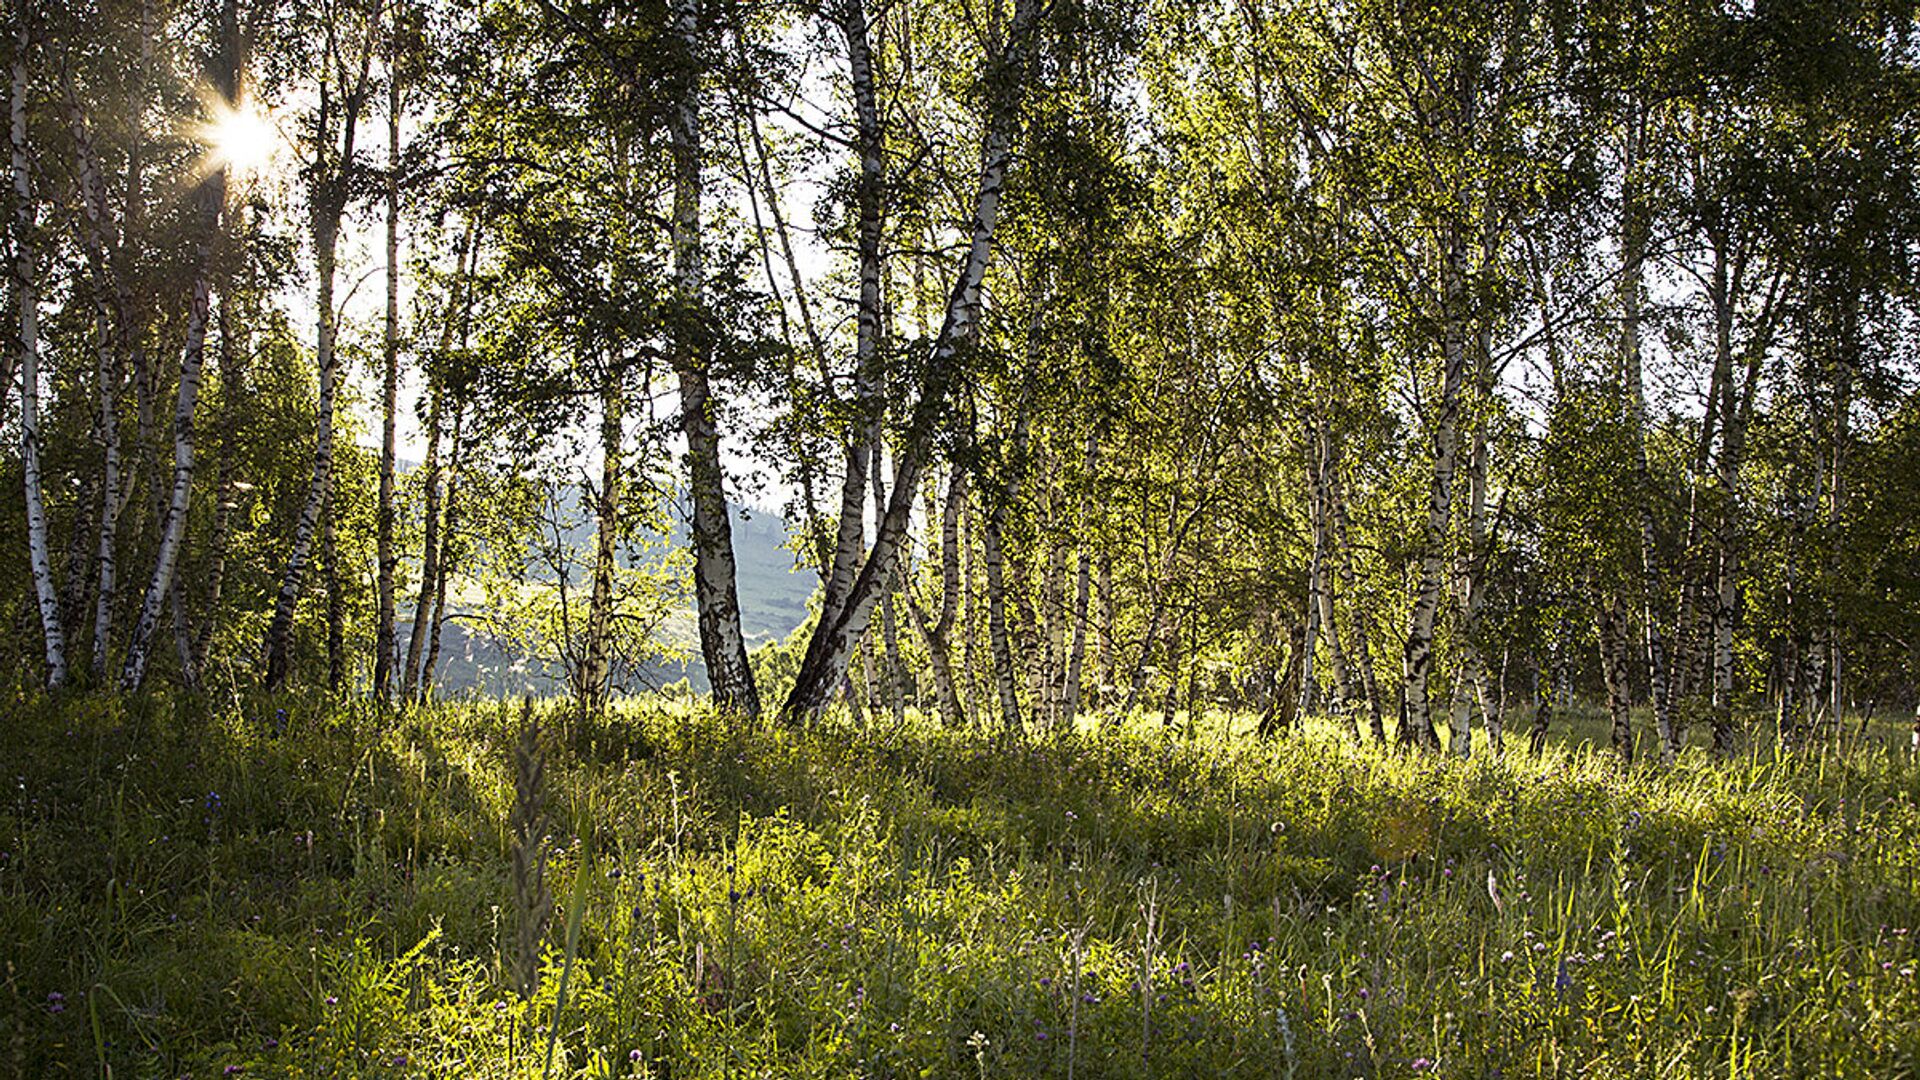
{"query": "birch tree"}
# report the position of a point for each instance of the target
(26, 284)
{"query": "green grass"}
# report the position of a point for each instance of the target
(186, 893)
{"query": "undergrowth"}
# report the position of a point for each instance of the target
(319, 890)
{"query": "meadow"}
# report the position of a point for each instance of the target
(299, 888)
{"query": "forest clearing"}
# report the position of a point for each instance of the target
(960, 538)
(326, 894)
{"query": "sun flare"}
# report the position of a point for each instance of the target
(241, 139)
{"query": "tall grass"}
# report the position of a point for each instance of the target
(218, 899)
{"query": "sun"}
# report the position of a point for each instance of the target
(241, 139)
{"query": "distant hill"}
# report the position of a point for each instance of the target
(773, 603)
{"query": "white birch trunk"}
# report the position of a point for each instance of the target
(597, 669)
(112, 313)
(716, 594)
(27, 293)
(1417, 721)
(280, 631)
(211, 198)
(330, 192)
(833, 641)
(449, 550)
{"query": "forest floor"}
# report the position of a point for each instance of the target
(322, 891)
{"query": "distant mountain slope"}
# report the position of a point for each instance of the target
(773, 603)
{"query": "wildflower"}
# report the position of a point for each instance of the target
(634, 1054)
(1507, 957)
(56, 1002)
(1421, 1064)
(332, 1001)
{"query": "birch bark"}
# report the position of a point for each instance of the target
(833, 640)
(1418, 656)
(27, 293)
(716, 593)
(331, 190)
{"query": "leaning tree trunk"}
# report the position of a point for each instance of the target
(133, 670)
(280, 630)
(434, 481)
(210, 202)
(27, 292)
(429, 545)
(722, 645)
(864, 435)
(834, 639)
(331, 187)
(336, 597)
